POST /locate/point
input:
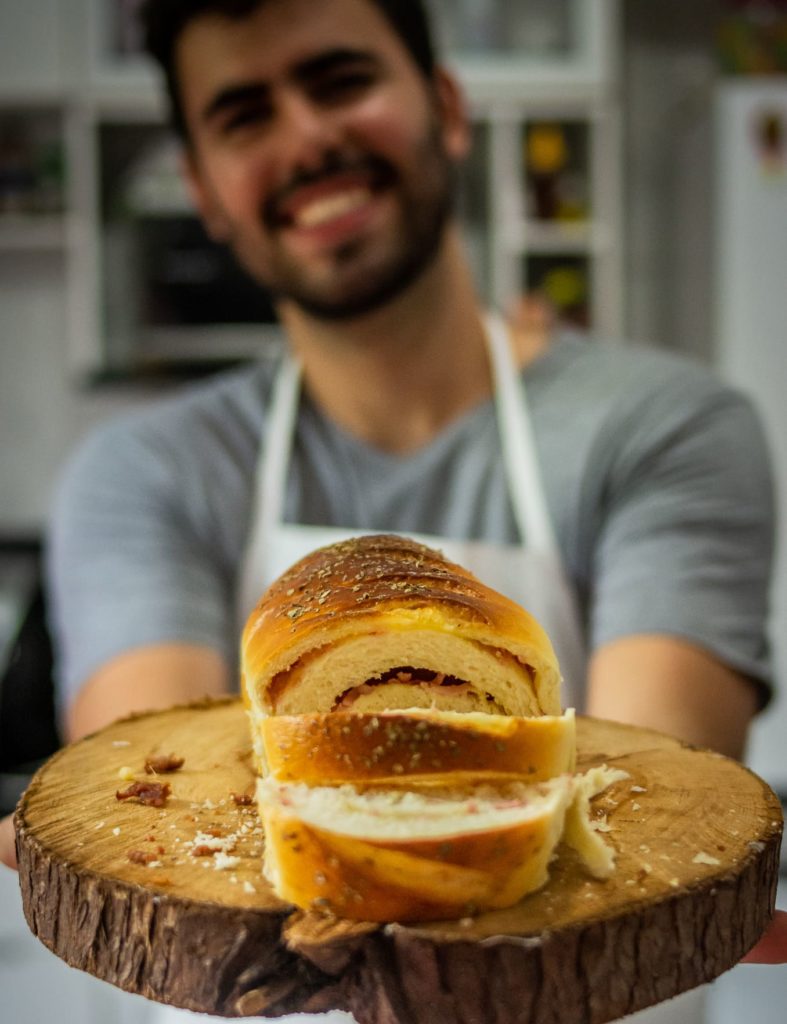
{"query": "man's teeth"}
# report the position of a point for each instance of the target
(322, 210)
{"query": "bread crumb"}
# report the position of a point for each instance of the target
(115, 831)
(208, 843)
(248, 887)
(121, 743)
(705, 858)
(223, 861)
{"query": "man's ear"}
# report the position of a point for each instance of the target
(452, 110)
(209, 210)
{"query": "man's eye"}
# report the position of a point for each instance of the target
(243, 117)
(344, 85)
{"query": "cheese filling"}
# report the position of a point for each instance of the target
(425, 680)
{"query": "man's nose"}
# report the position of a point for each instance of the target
(306, 132)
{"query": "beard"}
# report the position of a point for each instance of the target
(362, 277)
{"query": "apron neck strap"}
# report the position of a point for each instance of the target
(517, 442)
(269, 486)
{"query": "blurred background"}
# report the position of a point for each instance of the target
(629, 176)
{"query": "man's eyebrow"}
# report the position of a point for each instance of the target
(331, 60)
(307, 70)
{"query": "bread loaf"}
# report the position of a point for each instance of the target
(379, 623)
(406, 720)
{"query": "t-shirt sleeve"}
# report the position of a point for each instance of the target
(686, 542)
(125, 566)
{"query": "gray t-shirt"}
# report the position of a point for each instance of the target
(656, 475)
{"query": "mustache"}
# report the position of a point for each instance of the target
(378, 172)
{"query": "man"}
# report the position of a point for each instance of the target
(321, 144)
(323, 152)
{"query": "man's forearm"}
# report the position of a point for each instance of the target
(147, 679)
(668, 684)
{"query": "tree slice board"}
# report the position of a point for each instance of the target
(696, 837)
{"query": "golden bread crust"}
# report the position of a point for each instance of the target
(382, 584)
(416, 747)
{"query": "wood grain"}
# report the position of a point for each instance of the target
(696, 836)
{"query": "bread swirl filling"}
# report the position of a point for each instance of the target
(425, 684)
(405, 668)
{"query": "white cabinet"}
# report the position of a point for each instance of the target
(541, 193)
(31, 54)
(542, 79)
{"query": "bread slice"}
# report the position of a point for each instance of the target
(415, 747)
(397, 855)
(379, 623)
(417, 855)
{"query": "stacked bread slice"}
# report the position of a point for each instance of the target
(406, 722)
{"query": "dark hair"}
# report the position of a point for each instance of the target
(164, 20)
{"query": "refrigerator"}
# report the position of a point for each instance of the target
(751, 323)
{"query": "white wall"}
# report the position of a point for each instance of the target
(752, 330)
(669, 77)
(35, 402)
(43, 410)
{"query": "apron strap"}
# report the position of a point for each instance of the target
(270, 480)
(520, 456)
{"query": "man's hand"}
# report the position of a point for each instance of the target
(7, 843)
(772, 947)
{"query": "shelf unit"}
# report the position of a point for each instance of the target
(571, 80)
(32, 186)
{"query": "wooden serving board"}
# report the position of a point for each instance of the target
(696, 835)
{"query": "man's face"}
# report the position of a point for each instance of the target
(319, 152)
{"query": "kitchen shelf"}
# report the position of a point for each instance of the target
(581, 237)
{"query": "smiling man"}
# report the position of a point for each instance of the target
(325, 163)
(622, 496)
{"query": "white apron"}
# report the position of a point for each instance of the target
(530, 573)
